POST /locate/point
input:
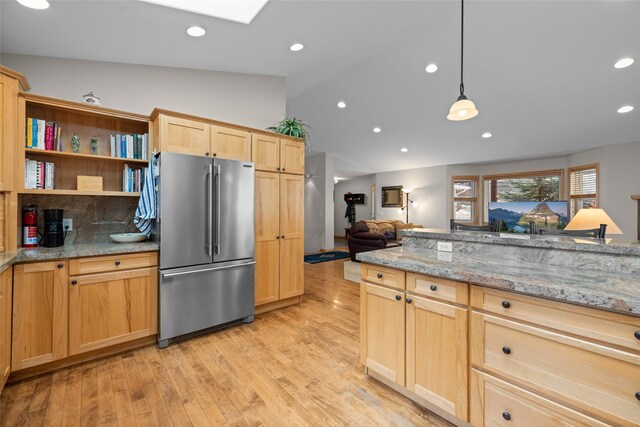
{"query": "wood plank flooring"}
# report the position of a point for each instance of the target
(297, 366)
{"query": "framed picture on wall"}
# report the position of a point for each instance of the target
(392, 197)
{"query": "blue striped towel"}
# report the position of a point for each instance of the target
(146, 212)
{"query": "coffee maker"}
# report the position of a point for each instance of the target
(53, 234)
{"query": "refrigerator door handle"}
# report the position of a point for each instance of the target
(182, 273)
(218, 210)
(209, 231)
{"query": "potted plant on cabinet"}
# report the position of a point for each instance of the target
(293, 127)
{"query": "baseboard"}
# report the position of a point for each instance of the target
(81, 358)
(278, 304)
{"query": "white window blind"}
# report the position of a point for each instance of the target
(584, 182)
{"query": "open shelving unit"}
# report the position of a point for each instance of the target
(87, 121)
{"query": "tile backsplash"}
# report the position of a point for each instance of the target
(94, 218)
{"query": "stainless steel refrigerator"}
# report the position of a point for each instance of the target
(205, 227)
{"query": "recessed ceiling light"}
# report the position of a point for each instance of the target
(487, 135)
(296, 47)
(35, 4)
(195, 31)
(404, 150)
(377, 130)
(624, 62)
(237, 11)
(625, 109)
(341, 104)
(431, 68)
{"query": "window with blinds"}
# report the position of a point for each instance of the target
(464, 198)
(542, 186)
(583, 187)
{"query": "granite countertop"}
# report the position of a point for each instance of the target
(608, 246)
(604, 290)
(7, 259)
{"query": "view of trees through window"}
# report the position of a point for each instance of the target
(543, 186)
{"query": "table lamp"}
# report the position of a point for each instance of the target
(591, 218)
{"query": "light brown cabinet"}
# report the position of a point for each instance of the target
(279, 273)
(274, 154)
(419, 343)
(39, 314)
(189, 135)
(599, 379)
(111, 308)
(56, 315)
(436, 353)
(180, 135)
(229, 143)
(382, 337)
(6, 282)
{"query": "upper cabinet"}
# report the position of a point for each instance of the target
(184, 136)
(11, 84)
(277, 155)
(229, 143)
(292, 156)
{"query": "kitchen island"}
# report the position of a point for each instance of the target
(506, 329)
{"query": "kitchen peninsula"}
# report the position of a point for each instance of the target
(503, 328)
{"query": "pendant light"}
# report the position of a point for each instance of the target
(463, 108)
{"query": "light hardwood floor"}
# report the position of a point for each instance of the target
(297, 366)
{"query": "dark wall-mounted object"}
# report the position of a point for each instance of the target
(392, 197)
(356, 199)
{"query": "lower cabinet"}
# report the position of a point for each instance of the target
(39, 314)
(111, 308)
(416, 342)
(437, 359)
(56, 315)
(498, 403)
(6, 282)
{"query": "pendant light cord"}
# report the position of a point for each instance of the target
(462, 50)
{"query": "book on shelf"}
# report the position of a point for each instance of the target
(43, 135)
(134, 146)
(39, 174)
(133, 179)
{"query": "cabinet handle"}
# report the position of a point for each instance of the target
(117, 262)
(215, 154)
(433, 288)
(506, 304)
(206, 154)
(398, 297)
(60, 265)
(506, 350)
(379, 275)
(638, 395)
(637, 334)
(282, 169)
(74, 282)
(278, 237)
(409, 300)
(506, 416)
(278, 168)
(283, 237)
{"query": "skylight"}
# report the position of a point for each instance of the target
(242, 11)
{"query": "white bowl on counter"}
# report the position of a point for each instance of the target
(128, 237)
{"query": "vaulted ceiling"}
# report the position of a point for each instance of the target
(541, 72)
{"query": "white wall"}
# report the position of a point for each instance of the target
(361, 184)
(244, 99)
(429, 192)
(314, 202)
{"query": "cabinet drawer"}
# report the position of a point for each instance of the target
(112, 263)
(593, 324)
(382, 275)
(497, 403)
(597, 379)
(435, 287)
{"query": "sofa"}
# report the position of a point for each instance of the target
(371, 235)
